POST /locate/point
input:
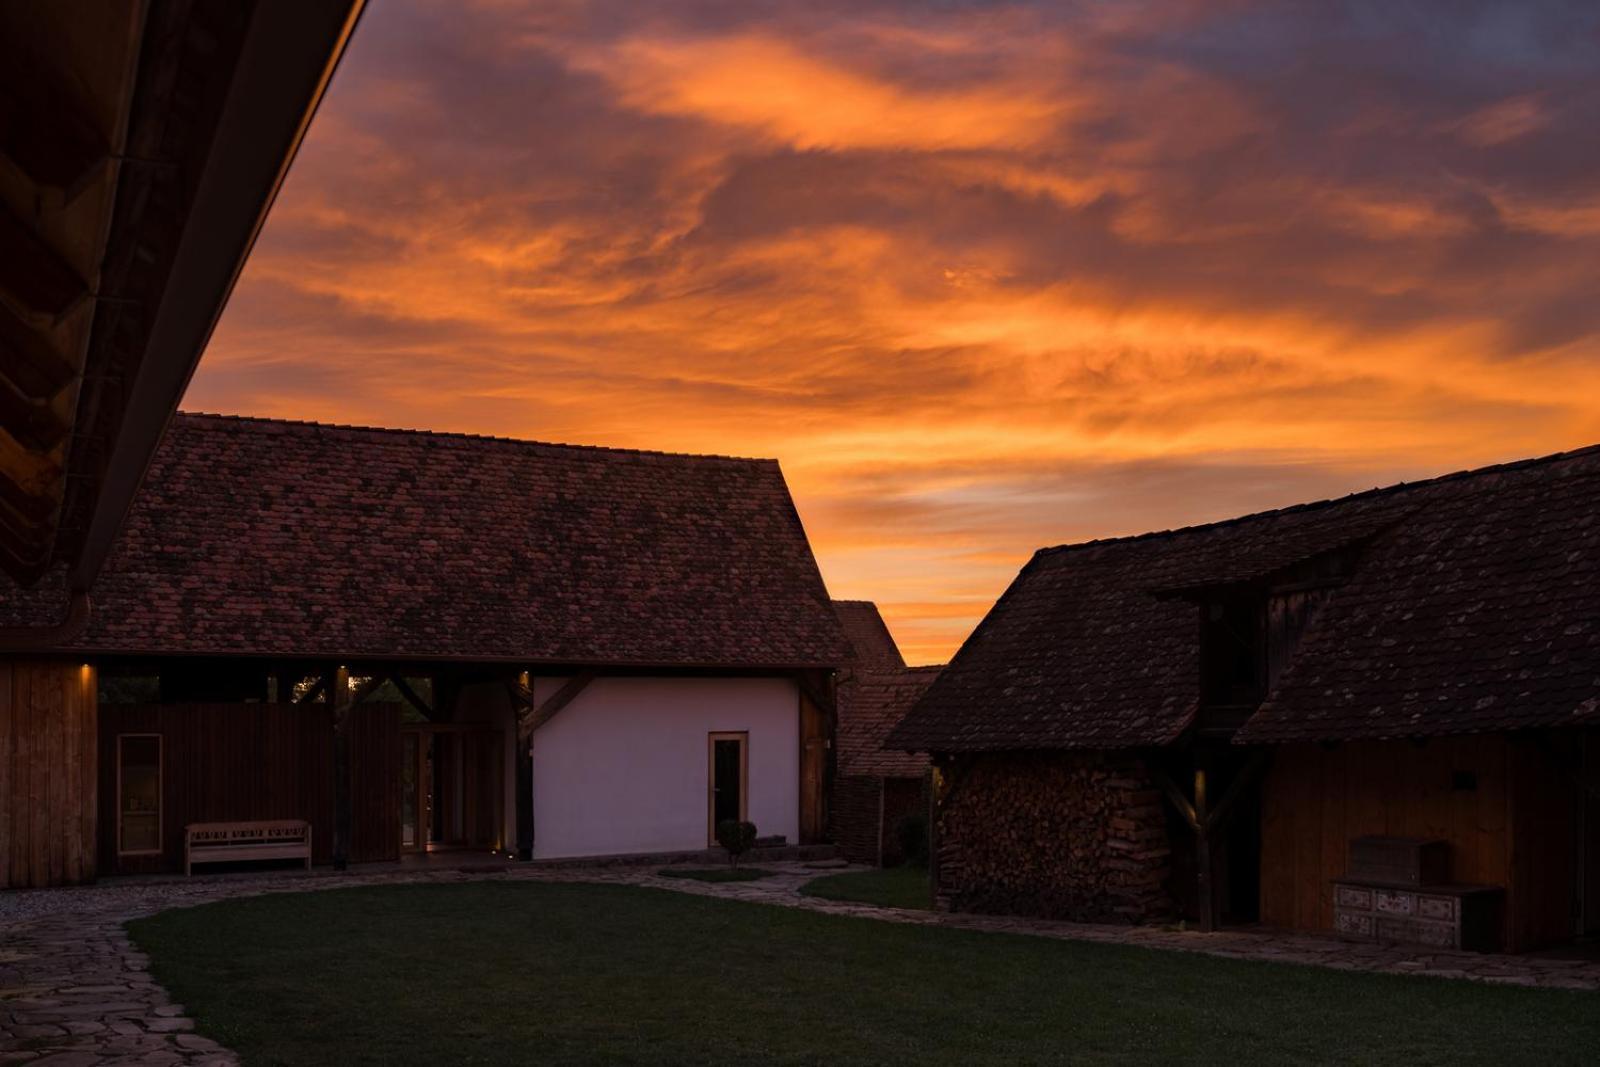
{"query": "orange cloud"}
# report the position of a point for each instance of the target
(982, 278)
(807, 101)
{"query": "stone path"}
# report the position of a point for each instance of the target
(74, 990)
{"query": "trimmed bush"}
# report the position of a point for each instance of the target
(737, 837)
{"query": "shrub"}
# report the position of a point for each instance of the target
(736, 837)
(912, 833)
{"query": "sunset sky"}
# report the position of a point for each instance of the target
(983, 277)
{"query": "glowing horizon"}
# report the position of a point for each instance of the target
(983, 277)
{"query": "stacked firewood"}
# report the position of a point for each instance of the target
(1078, 836)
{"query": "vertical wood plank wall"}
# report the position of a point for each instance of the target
(1544, 802)
(374, 782)
(1512, 830)
(235, 762)
(47, 773)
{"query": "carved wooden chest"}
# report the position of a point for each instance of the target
(1443, 916)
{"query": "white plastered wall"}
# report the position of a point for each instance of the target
(623, 768)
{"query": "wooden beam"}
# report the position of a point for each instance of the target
(533, 720)
(411, 696)
(368, 687)
(34, 276)
(1174, 795)
(312, 693)
(1205, 873)
(338, 684)
(44, 129)
(1237, 788)
(31, 364)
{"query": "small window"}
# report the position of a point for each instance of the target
(138, 794)
(130, 689)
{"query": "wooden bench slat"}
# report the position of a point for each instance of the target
(257, 839)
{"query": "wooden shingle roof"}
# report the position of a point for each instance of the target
(265, 537)
(1475, 606)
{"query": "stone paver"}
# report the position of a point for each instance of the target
(74, 990)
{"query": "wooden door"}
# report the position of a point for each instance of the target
(483, 793)
(816, 728)
(374, 782)
(727, 780)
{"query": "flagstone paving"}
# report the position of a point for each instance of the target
(75, 991)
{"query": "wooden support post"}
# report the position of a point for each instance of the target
(1205, 874)
(883, 787)
(931, 784)
(338, 687)
(1207, 821)
(519, 707)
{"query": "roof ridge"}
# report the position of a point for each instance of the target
(880, 671)
(1328, 502)
(458, 435)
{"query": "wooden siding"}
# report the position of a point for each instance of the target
(1514, 829)
(234, 762)
(374, 782)
(47, 773)
(1545, 828)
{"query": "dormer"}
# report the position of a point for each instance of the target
(1249, 628)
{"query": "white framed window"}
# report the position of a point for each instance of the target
(139, 771)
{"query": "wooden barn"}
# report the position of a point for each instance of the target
(876, 787)
(1378, 714)
(418, 642)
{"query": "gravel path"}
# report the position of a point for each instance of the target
(75, 991)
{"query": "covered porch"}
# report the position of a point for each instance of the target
(414, 763)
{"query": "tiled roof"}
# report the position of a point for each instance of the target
(876, 689)
(1480, 611)
(869, 637)
(1475, 606)
(257, 536)
(870, 704)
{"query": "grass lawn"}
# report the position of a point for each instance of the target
(564, 973)
(887, 887)
(715, 874)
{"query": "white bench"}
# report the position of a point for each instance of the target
(267, 839)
